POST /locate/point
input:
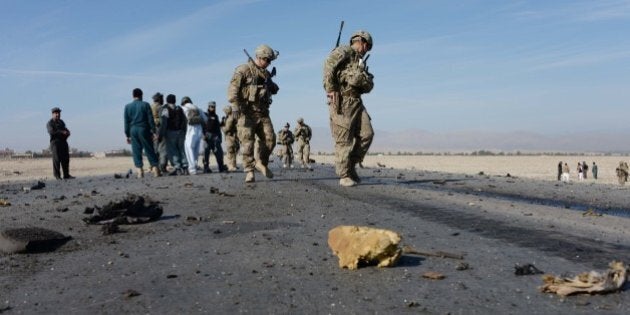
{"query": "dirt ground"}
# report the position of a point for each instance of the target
(225, 246)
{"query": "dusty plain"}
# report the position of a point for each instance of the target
(223, 246)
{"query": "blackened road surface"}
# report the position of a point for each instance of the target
(262, 248)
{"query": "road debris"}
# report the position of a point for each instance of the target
(129, 293)
(433, 275)
(591, 213)
(130, 210)
(526, 270)
(39, 185)
(462, 266)
(31, 240)
(4, 203)
(360, 245)
(591, 282)
(412, 251)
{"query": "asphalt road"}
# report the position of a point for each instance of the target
(223, 246)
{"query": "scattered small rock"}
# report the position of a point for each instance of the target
(62, 209)
(462, 266)
(433, 275)
(526, 269)
(129, 293)
(4, 203)
(171, 276)
(110, 228)
(39, 185)
(591, 213)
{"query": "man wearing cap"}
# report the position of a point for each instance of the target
(228, 126)
(59, 145)
(303, 135)
(285, 138)
(249, 93)
(140, 131)
(346, 77)
(160, 142)
(213, 139)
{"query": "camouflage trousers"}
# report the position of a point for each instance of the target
(231, 149)
(287, 155)
(249, 127)
(352, 133)
(304, 151)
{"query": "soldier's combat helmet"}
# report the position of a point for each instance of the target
(300, 120)
(365, 35)
(264, 51)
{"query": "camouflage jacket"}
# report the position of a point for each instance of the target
(285, 137)
(303, 132)
(251, 88)
(345, 73)
(228, 125)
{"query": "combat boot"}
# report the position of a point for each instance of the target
(347, 182)
(156, 171)
(352, 173)
(140, 172)
(264, 170)
(249, 178)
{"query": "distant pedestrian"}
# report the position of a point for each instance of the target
(140, 131)
(565, 172)
(59, 145)
(559, 170)
(594, 171)
(213, 139)
(286, 139)
(303, 133)
(580, 171)
(173, 129)
(585, 169)
(196, 119)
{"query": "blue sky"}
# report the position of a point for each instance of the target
(541, 66)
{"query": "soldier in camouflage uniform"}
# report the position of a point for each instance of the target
(228, 126)
(249, 93)
(159, 143)
(346, 77)
(303, 135)
(285, 138)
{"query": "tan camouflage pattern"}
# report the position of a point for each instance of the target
(231, 140)
(249, 95)
(303, 135)
(350, 124)
(286, 139)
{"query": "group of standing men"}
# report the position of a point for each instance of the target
(582, 171)
(172, 133)
(167, 132)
